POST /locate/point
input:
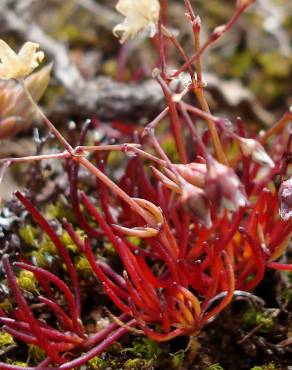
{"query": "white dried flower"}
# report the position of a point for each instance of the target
(223, 187)
(285, 199)
(141, 15)
(18, 66)
(252, 148)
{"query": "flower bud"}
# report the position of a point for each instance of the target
(197, 24)
(19, 66)
(252, 148)
(285, 200)
(139, 16)
(193, 173)
(195, 202)
(218, 32)
(224, 188)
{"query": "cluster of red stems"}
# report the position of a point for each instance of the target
(209, 226)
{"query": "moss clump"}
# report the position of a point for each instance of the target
(177, 358)
(253, 317)
(146, 349)
(59, 211)
(6, 340)
(70, 245)
(137, 364)
(82, 265)
(134, 240)
(97, 363)
(29, 235)
(270, 366)
(27, 281)
(46, 252)
(109, 249)
(17, 363)
(6, 305)
(215, 367)
(36, 353)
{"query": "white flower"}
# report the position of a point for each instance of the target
(223, 187)
(18, 66)
(141, 15)
(252, 148)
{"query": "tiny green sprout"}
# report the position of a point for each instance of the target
(29, 234)
(177, 358)
(97, 363)
(36, 353)
(146, 348)
(27, 281)
(82, 265)
(6, 340)
(270, 366)
(215, 367)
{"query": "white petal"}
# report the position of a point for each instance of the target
(7, 55)
(28, 55)
(126, 7)
(5, 73)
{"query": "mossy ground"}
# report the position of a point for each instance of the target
(244, 336)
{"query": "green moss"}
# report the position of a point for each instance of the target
(270, 366)
(6, 339)
(36, 353)
(287, 295)
(146, 348)
(27, 281)
(177, 358)
(275, 64)
(6, 305)
(17, 363)
(215, 367)
(115, 158)
(240, 63)
(134, 240)
(136, 364)
(47, 246)
(82, 265)
(109, 249)
(70, 245)
(29, 235)
(59, 211)
(97, 363)
(46, 252)
(169, 147)
(252, 317)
